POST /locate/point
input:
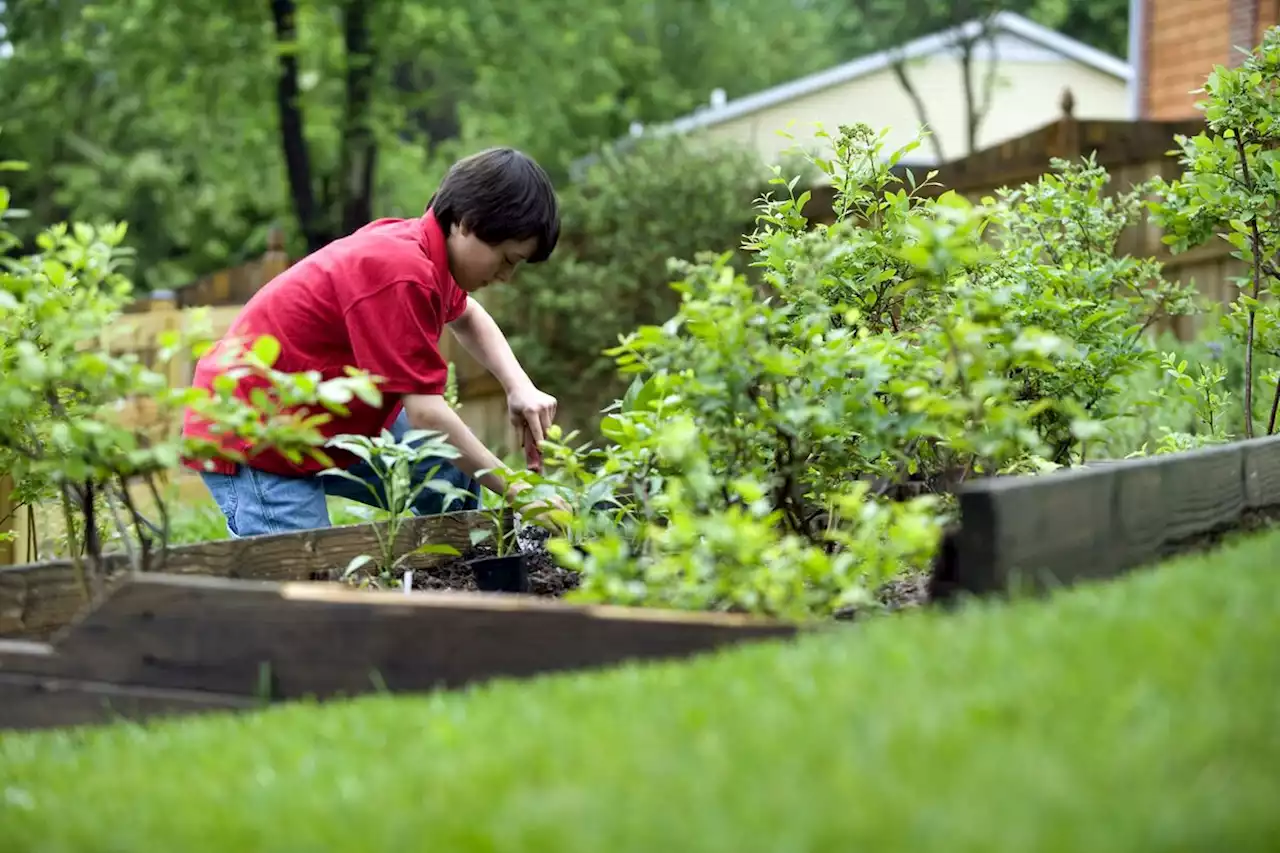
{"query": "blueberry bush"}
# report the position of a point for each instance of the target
(792, 439)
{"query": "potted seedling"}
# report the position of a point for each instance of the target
(506, 569)
(395, 463)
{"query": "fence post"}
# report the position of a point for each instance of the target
(164, 304)
(276, 259)
(17, 520)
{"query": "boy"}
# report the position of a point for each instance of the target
(378, 300)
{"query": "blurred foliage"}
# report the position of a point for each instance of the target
(166, 115)
(624, 222)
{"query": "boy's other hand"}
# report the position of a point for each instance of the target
(533, 410)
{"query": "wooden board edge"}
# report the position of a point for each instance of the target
(116, 562)
(972, 568)
(335, 593)
(24, 648)
(34, 701)
(226, 636)
(1262, 473)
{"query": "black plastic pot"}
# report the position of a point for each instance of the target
(501, 574)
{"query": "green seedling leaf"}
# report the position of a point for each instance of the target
(437, 548)
(357, 563)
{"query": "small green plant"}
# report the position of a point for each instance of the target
(396, 464)
(531, 503)
(502, 532)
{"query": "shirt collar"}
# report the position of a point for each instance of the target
(433, 241)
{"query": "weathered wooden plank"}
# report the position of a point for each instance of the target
(1141, 510)
(324, 641)
(1204, 490)
(1262, 473)
(40, 702)
(1035, 531)
(1094, 522)
(39, 598)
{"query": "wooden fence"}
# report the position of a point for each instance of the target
(1131, 152)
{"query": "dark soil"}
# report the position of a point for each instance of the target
(546, 577)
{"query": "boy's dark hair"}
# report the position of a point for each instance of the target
(500, 194)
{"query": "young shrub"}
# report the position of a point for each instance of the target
(65, 399)
(1230, 187)
(791, 443)
(395, 464)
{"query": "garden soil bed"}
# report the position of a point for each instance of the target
(546, 577)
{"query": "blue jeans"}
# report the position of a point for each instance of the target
(257, 502)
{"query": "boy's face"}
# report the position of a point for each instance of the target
(475, 264)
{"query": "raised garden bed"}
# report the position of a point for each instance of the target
(162, 644)
(1038, 533)
(264, 623)
(37, 599)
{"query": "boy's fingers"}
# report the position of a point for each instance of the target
(532, 455)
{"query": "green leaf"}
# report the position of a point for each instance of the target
(437, 548)
(357, 563)
(267, 349)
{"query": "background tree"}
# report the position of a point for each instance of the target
(204, 123)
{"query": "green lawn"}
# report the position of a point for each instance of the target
(1136, 716)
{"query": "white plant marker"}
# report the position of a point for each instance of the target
(408, 581)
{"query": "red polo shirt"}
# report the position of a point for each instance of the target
(376, 300)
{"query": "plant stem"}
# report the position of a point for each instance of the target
(139, 525)
(92, 542)
(123, 530)
(1275, 406)
(73, 541)
(164, 520)
(1255, 240)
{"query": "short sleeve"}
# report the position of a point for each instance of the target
(457, 299)
(394, 333)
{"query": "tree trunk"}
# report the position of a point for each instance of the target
(359, 146)
(297, 158)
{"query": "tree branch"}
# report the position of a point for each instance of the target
(977, 112)
(899, 66)
(1255, 240)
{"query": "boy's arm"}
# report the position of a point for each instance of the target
(480, 335)
(431, 412)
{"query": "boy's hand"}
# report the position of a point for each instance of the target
(533, 410)
(532, 455)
